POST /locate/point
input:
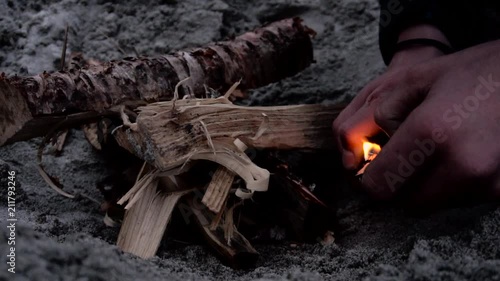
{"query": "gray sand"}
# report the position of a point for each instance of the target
(62, 239)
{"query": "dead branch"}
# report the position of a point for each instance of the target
(30, 106)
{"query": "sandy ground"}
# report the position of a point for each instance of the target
(62, 239)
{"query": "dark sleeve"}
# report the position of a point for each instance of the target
(465, 23)
(397, 15)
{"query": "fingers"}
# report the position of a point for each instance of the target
(391, 113)
(352, 134)
(430, 190)
(401, 101)
(382, 106)
(440, 187)
(354, 124)
(410, 148)
(382, 109)
(356, 103)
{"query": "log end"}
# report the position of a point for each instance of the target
(14, 111)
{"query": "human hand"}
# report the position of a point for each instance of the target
(443, 117)
(356, 121)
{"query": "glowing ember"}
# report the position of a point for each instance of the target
(370, 150)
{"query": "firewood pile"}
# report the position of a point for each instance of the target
(176, 142)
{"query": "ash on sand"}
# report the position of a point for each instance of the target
(62, 239)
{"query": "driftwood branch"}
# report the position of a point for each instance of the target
(30, 106)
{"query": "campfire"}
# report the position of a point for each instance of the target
(176, 141)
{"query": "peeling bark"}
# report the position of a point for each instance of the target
(266, 55)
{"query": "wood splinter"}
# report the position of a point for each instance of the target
(147, 218)
(218, 189)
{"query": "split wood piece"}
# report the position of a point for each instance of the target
(223, 151)
(146, 221)
(239, 255)
(168, 137)
(30, 106)
(218, 189)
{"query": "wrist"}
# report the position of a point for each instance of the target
(414, 55)
(426, 31)
(418, 43)
(426, 42)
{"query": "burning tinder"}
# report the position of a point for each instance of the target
(370, 150)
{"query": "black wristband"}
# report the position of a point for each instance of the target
(423, 42)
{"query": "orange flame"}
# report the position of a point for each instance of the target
(370, 150)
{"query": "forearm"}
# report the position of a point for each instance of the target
(404, 19)
(423, 30)
(418, 51)
(463, 23)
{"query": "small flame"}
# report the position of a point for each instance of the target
(370, 150)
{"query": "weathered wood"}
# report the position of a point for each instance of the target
(169, 135)
(266, 55)
(146, 221)
(218, 189)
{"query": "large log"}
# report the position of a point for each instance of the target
(30, 106)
